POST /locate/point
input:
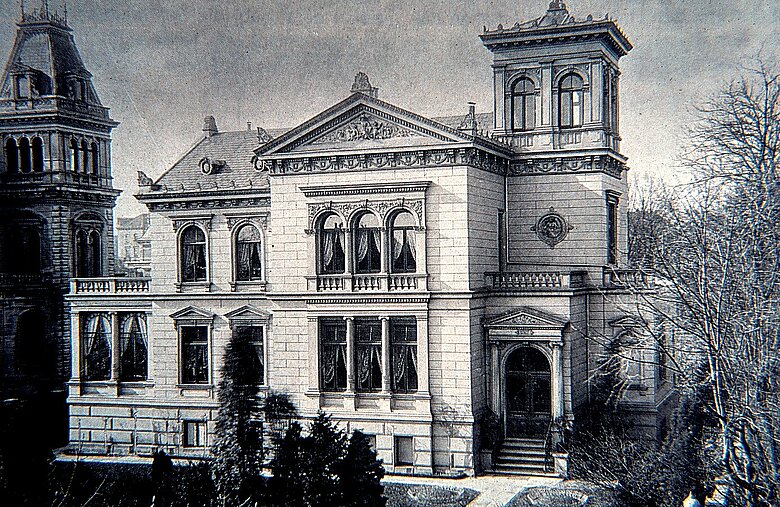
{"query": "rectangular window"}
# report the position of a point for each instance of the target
(96, 347)
(371, 441)
(253, 336)
(612, 229)
(333, 354)
(22, 87)
(368, 345)
(403, 342)
(501, 241)
(194, 355)
(133, 348)
(194, 433)
(404, 451)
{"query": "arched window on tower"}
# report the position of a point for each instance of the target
(88, 249)
(193, 254)
(25, 162)
(11, 156)
(37, 155)
(249, 254)
(330, 238)
(84, 157)
(75, 156)
(404, 255)
(95, 159)
(523, 105)
(368, 244)
(21, 250)
(570, 101)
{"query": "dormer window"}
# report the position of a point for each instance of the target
(570, 101)
(22, 86)
(523, 105)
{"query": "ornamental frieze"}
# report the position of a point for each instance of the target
(365, 128)
(605, 164)
(260, 221)
(372, 161)
(380, 208)
(210, 204)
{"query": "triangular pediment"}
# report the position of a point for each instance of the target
(361, 123)
(626, 322)
(524, 317)
(248, 312)
(192, 313)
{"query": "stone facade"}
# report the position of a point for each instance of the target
(407, 275)
(56, 199)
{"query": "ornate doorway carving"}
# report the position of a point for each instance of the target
(528, 393)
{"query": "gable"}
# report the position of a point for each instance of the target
(525, 317)
(361, 123)
(193, 313)
(248, 313)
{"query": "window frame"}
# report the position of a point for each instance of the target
(410, 236)
(235, 236)
(612, 227)
(251, 324)
(93, 264)
(571, 95)
(524, 97)
(374, 384)
(397, 461)
(371, 232)
(201, 427)
(322, 324)
(180, 255)
(85, 318)
(341, 234)
(394, 342)
(122, 333)
(181, 326)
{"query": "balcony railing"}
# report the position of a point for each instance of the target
(56, 177)
(531, 280)
(109, 285)
(23, 279)
(629, 278)
(373, 282)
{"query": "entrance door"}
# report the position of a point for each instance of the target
(527, 393)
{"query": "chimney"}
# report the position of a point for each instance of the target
(210, 126)
(469, 123)
(249, 126)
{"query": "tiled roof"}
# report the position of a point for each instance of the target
(236, 149)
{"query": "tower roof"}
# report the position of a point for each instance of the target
(45, 65)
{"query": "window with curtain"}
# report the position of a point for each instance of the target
(194, 355)
(251, 338)
(96, 347)
(612, 230)
(523, 105)
(133, 348)
(331, 245)
(193, 254)
(368, 354)
(367, 237)
(403, 343)
(11, 156)
(333, 354)
(249, 254)
(570, 101)
(403, 255)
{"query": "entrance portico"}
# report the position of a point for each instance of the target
(525, 371)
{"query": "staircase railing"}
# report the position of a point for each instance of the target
(549, 462)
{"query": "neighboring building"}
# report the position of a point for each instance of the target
(407, 275)
(56, 199)
(133, 246)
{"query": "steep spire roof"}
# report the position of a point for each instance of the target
(44, 62)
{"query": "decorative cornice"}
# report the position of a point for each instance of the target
(260, 221)
(366, 301)
(566, 165)
(420, 158)
(216, 202)
(347, 210)
(180, 222)
(365, 188)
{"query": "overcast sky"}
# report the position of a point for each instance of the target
(162, 65)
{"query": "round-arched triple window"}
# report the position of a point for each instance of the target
(570, 101)
(25, 159)
(368, 244)
(11, 156)
(403, 255)
(330, 239)
(523, 105)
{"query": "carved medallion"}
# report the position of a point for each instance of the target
(552, 228)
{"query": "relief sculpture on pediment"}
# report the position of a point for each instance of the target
(365, 128)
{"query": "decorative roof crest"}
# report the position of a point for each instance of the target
(363, 85)
(43, 14)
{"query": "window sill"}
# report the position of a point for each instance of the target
(195, 387)
(193, 286)
(241, 285)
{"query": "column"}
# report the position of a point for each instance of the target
(547, 98)
(348, 251)
(557, 380)
(423, 384)
(75, 349)
(115, 348)
(384, 254)
(350, 354)
(314, 356)
(597, 90)
(386, 370)
(499, 99)
(495, 379)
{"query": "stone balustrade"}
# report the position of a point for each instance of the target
(369, 282)
(119, 285)
(629, 278)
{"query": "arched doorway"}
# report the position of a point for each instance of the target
(528, 393)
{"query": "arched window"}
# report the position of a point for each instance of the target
(11, 156)
(84, 157)
(94, 158)
(404, 255)
(89, 252)
(96, 348)
(570, 101)
(330, 236)
(367, 244)
(523, 105)
(193, 254)
(249, 254)
(133, 348)
(37, 155)
(25, 163)
(75, 158)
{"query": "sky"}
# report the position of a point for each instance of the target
(162, 65)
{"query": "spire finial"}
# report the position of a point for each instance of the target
(65, 11)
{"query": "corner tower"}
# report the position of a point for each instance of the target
(556, 102)
(56, 195)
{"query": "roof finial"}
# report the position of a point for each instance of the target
(45, 7)
(21, 9)
(363, 85)
(65, 11)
